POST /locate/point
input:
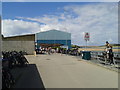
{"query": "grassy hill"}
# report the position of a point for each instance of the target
(114, 45)
(102, 46)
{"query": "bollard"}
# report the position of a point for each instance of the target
(34, 53)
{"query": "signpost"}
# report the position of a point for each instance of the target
(87, 37)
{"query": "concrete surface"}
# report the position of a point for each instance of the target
(62, 71)
(27, 77)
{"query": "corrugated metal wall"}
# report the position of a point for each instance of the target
(53, 35)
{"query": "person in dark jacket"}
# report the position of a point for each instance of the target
(111, 55)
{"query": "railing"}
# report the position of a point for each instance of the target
(101, 58)
(94, 54)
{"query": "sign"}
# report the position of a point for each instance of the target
(87, 36)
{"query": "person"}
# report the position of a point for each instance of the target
(107, 44)
(111, 55)
(57, 50)
(109, 52)
(49, 50)
(107, 49)
(61, 51)
(77, 53)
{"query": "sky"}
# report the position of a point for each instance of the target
(0, 7)
(100, 19)
(60, 0)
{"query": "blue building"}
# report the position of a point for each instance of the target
(53, 37)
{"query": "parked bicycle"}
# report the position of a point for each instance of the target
(15, 58)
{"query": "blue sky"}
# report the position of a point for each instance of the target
(0, 7)
(60, 0)
(34, 9)
(77, 18)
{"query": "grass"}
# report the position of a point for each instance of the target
(97, 49)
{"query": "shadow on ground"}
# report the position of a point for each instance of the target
(27, 77)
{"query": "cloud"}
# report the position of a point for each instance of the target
(18, 27)
(99, 19)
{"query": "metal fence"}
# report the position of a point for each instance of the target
(94, 54)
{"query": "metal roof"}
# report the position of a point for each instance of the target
(53, 35)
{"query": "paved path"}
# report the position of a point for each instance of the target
(62, 71)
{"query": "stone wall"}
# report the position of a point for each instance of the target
(27, 46)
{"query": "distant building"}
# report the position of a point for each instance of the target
(53, 38)
(43, 39)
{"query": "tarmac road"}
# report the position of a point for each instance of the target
(62, 71)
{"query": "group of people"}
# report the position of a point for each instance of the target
(47, 50)
(109, 52)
